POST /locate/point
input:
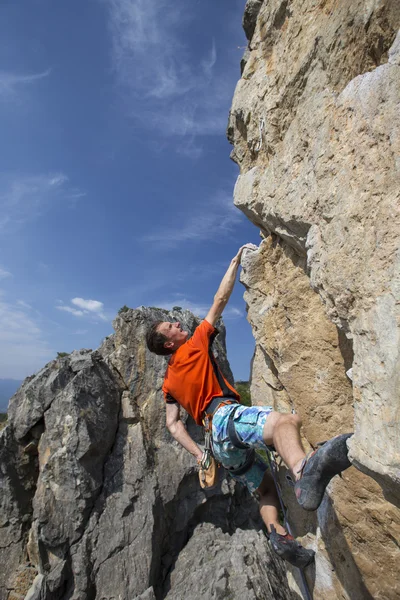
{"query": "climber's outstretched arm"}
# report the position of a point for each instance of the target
(178, 430)
(226, 286)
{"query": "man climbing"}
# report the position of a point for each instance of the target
(194, 381)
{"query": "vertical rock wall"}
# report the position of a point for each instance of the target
(300, 362)
(315, 126)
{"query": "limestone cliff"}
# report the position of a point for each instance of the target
(97, 500)
(315, 126)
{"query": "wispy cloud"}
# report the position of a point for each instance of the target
(73, 311)
(24, 304)
(4, 273)
(42, 268)
(200, 310)
(11, 84)
(214, 219)
(172, 91)
(85, 308)
(23, 349)
(25, 197)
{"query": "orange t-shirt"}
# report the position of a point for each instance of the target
(193, 377)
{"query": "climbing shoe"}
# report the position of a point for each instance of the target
(318, 468)
(287, 548)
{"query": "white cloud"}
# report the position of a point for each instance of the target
(80, 332)
(73, 311)
(57, 180)
(214, 220)
(173, 92)
(11, 83)
(189, 148)
(4, 273)
(200, 310)
(22, 348)
(24, 304)
(25, 197)
(74, 195)
(146, 48)
(86, 308)
(90, 305)
(197, 309)
(231, 312)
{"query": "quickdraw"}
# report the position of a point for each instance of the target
(208, 466)
(207, 454)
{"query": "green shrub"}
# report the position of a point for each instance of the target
(62, 354)
(123, 309)
(243, 387)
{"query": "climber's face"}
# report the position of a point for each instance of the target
(174, 333)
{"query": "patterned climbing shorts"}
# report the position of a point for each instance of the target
(249, 425)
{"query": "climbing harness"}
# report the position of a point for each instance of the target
(274, 472)
(233, 436)
(238, 443)
(246, 466)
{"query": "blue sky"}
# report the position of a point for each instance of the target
(116, 183)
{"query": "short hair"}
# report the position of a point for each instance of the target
(156, 340)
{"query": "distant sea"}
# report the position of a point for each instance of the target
(8, 387)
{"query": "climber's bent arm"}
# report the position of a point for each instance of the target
(178, 431)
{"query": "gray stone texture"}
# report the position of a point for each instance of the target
(99, 502)
(251, 11)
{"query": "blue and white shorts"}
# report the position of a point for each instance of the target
(249, 424)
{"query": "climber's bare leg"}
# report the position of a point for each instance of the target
(282, 544)
(269, 504)
(283, 431)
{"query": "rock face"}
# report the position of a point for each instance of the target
(300, 362)
(316, 132)
(315, 126)
(97, 500)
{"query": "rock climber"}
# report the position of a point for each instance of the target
(194, 381)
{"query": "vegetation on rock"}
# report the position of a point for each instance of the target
(3, 420)
(123, 309)
(243, 387)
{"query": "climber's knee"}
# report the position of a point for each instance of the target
(275, 420)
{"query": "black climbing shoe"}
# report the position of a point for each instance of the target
(318, 469)
(287, 548)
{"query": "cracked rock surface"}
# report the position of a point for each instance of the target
(315, 128)
(98, 501)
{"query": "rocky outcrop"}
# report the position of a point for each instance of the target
(316, 132)
(315, 128)
(97, 500)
